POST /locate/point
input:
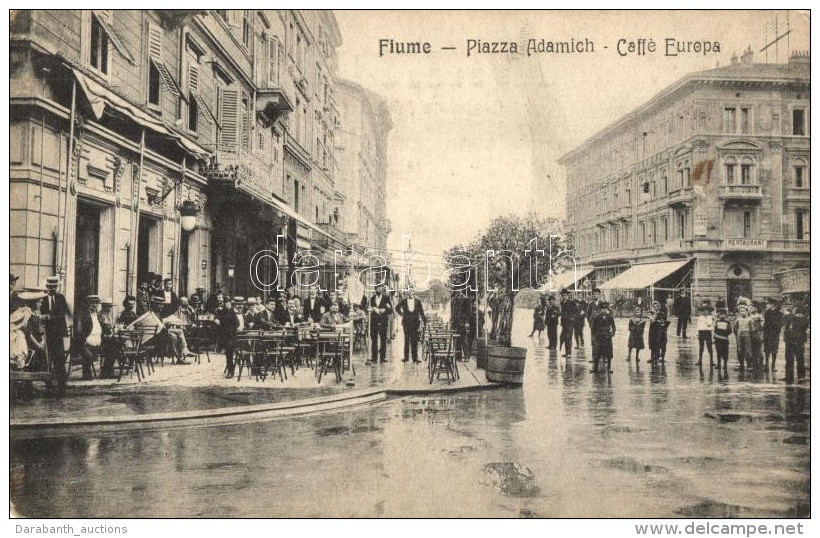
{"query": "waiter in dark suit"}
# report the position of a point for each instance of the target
(380, 309)
(228, 321)
(315, 307)
(170, 301)
(54, 314)
(412, 316)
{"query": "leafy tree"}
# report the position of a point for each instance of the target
(512, 254)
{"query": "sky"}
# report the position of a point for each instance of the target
(472, 136)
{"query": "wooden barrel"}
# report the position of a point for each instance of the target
(506, 364)
(481, 352)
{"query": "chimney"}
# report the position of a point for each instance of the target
(747, 57)
(800, 57)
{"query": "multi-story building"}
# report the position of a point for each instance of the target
(151, 143)
(363, 165)
(703, 187)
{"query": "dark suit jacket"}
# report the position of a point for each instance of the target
(228, 324)
(314, 313)
(411, 320)
(169, 309)
(56, 327)
(377, 319)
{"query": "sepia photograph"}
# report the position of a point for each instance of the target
(301, 263)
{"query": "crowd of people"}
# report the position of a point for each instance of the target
(756, 328)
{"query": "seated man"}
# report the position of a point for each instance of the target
(88, 337)
(332, 319)
(173, 338)
(357, 317)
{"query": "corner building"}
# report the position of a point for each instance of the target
(704, 187)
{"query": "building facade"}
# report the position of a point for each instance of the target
(172, 144)
(365, 127)
(712, 171)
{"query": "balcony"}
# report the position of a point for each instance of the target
(240, 167)
(272, 104)
(743, 193)
(681, 197)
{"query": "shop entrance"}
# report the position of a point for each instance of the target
(738, 283)
(147, 243)
(86, 253)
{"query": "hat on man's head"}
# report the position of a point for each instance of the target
(604, 304)
(106, 302)
(164, 280)
(128, 298)
(564, 291)
(93, 299)
(238, 300)
(251, 300)
(13, 278)
(195, 299)
(551, 298)
(52, 281)
(722, 310)
(200, 288)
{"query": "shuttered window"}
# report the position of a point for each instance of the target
(155, 57)
(273, 61)
(229, 117)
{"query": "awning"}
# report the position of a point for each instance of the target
(100, 97)
(567, 279)
(642, 276)
(290, 212)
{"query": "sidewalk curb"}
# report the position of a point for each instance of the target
(57, 427)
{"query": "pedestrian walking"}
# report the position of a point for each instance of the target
(683, 311)
(412, 316)
(637, 324)
(743, 335)
(228, 321)
(580, 321)
(568, 310)
(722, 331)
(603, 327)
(539, 317)
(379, 308)
(795, 334)
(551, 317)
(756, 334)
(772, 325)
(592, 310)
(705, 324)
(54, 314)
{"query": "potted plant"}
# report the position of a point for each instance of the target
(512, 254)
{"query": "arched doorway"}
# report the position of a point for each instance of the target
(738, 283)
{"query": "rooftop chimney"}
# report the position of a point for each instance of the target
(800, 57)
(747, 57)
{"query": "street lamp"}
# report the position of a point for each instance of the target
(188, 212)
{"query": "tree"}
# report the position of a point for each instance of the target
(512, 254)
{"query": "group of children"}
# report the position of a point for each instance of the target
(658, 324)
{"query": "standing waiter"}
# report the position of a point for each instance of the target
(412, 315)
(54, 313)
(380, 309)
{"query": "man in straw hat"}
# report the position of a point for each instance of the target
(743, 333)
(14, 300)
(54, 313)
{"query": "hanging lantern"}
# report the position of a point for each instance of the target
(188, 212)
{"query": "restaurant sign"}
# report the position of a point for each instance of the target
(741, 243)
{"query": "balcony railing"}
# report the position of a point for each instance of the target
(680, 196)
(244, 169)
(740, 192)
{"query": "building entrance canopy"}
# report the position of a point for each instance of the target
(642, 276)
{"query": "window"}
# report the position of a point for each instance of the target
(664, 183)
(729, 120)
(746, 170)
(153, 84)
(654, 236)
(745, 120)
(730, 172)
(193, 112)
(642, 231)
(681, 224)
(247, 28)
(158, 72)
(747, 224)
(799, 122)
(665, 228)
(801, 224)
(99, 46)
(245, 119)
(296, 195)
(273, 61)
(799, 173)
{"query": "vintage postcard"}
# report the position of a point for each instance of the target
(283, 263)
